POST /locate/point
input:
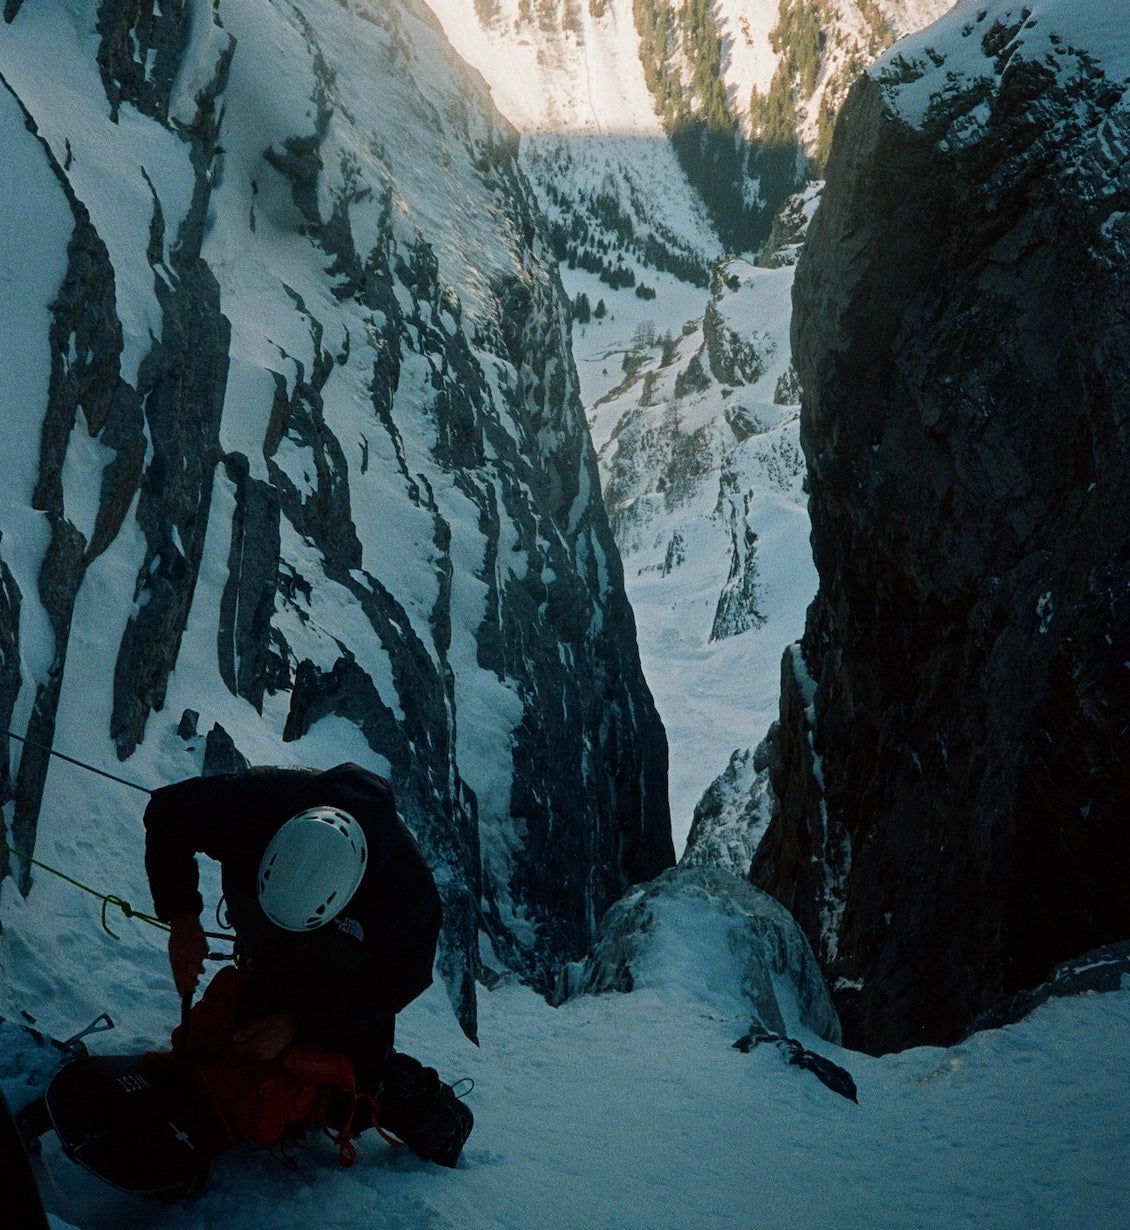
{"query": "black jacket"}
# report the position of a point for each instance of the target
(345, 977)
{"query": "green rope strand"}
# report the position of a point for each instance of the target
(107, 899)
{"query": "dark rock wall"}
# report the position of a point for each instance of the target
(953, 760)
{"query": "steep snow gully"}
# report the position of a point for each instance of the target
(297, 470)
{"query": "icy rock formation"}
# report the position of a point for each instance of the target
(953, 754)
(731, 817)
(703, 930)
(1096, 972)
(694, 418)
(306, 389)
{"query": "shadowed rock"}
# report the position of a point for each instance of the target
(953, 756)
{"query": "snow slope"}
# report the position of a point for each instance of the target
(546, 79)
(575, 68)
(690, 467)
(626, 1111)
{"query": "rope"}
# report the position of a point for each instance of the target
(107, 899)
(42, 747)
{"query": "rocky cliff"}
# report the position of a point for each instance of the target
(297, 464)
(951, 766)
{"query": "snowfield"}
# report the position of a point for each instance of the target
(621, 1111)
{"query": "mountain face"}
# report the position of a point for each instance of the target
(658, 133)
(709, 513)
(951, 765)
(703, 475)
(569, 77)
(296, 468)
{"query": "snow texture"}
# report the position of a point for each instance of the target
(626, 1111)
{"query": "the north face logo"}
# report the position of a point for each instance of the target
(351, 927)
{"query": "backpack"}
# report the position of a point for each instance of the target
(311, 1086)
(266, 1102)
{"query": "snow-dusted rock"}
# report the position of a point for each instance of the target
(294, 441)
(704, 486)
(1101, 971)
(731, 817)
(952, 769)
(706, 935)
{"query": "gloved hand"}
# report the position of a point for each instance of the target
(265, 1038)
(187, 950)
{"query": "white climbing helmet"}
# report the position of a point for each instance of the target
(311, 868)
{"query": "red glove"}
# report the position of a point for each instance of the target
(187, 950)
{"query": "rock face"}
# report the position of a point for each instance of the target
(731, 817)
(704, 930)
(305, 460)
(953, 758)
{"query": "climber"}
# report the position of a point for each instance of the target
(336, 918)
